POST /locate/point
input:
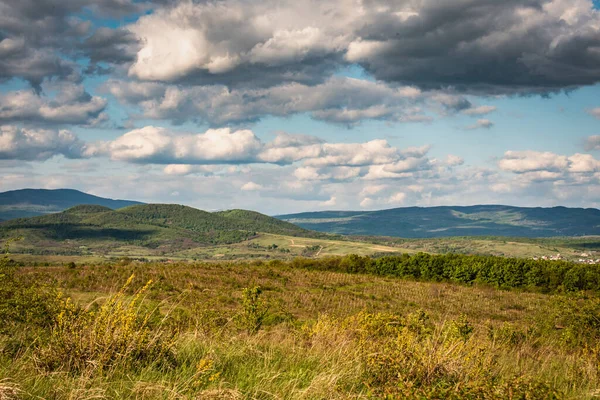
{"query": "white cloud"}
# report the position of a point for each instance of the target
(251, 186)
(397, 198)
(370, 190)
(38, 144)
(595, 112)
(160, 146)
(453, 161)
(329, 203)
(355, 154)
(583, 163)
(481, 124)
(72, 105)
(480, 110)
(527, 161)
(592, 143)
(367, 202)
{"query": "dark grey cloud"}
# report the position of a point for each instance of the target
(106, 45)
(70, 105)
(479, 46)
(39, 39)
(484, 46)
(19, 61)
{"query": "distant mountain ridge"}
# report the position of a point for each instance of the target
(34, 202)
(431, 222)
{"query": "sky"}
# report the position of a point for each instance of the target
(286, 106)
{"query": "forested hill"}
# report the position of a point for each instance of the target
(430, 222)
(33, 202)
(148, 225)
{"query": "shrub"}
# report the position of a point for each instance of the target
(117, 334)
(24, 300)
(254, 309)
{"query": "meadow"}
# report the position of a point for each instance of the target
(286, 330)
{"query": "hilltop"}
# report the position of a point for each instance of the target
(34, 202)
(151, 226)
(432, 222)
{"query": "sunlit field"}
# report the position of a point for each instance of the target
(277, 330)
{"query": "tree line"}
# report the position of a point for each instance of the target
(506, 273)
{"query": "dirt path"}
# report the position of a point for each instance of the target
(296, 245)
(319, 252)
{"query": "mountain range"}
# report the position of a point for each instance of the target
(431, 222)
(61, 214)
(33, 202)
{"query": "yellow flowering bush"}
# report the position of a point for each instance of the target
(116, 334)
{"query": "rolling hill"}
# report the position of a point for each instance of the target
(432, 222)
(34, 202)
(152, 226)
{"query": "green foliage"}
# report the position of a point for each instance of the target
(24, 301)
(505, 273)
(254, 309)
(461, 328)
(149, 225)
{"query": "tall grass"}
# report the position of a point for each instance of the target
(127, 332)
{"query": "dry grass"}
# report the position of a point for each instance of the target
(325, 336)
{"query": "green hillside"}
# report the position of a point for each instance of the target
(172, 227)
(432, 222)
(26, 203)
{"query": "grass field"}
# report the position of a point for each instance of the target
(199, 331)
(272, 246)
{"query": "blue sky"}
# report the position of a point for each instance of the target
(284, 108)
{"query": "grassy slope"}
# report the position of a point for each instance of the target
(311, 345)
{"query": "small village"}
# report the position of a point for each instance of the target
(584, 258)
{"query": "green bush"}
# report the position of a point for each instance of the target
(254, 309)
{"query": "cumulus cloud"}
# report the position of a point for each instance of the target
(33, 65)
(38, 144)
(480, 124)
(71, 105)
(453, 161)
(160, 146)
(507, 47)
(583, 163)
(320, 160)
(397, 198)
(480, 110)
(105, 45)
(532, 166)
(343, 101)
(528, 161)
(592, 143)
(251, 186)
(38, 39)
(595, 112)
(289, 42)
